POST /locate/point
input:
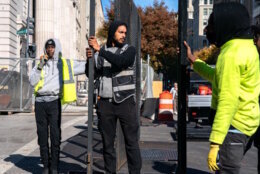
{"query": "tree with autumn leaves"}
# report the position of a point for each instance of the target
(158, 36)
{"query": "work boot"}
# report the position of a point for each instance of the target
(45, 170)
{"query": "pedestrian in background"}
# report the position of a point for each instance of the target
(174, 92)
(54, 84)
(115, 67)
(236, 85)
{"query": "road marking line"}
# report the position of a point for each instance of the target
(30, 147)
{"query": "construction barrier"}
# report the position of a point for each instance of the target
(165, 106)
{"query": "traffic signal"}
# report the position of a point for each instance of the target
(32, 51)
(30, 27)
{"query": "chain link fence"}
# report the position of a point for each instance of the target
(15, 90)
(16, 93)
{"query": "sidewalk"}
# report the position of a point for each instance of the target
(19, 153)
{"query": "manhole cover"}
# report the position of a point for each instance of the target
(159, 154)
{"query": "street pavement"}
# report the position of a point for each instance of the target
(19, 153)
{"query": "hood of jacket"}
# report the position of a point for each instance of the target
(58, 50)
(231, 21)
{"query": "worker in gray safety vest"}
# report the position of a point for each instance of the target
(115, 69)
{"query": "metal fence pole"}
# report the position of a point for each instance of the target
(91, 89)
(182, 63)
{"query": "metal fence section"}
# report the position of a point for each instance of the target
(16, 93)
(15, 90)
(125, 10)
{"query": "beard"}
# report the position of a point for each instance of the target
(118, 44)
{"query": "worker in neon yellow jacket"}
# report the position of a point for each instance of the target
(235, 84)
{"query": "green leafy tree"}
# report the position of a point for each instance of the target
(208, 54)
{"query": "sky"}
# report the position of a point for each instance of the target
(172, 4)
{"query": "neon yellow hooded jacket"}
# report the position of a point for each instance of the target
(235, 88)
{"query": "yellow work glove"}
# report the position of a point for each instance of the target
(212, 157)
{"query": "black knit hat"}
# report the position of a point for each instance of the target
(49, 42)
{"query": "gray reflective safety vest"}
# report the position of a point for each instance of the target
(123, 82)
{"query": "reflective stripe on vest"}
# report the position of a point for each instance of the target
(68, 87)
(124, 88)
(125, 73)
(69, 93)
(39, 84)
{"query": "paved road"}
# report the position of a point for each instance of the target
(19, 152)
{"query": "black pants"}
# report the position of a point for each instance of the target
(108, 114)
(231, 153)
(256, 140)
(48, 114)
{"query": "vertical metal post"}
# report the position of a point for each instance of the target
(182, 63)
(91, 89)
(27, 29)
(26, 56)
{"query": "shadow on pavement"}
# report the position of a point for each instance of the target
(32, 164)
(75, 151)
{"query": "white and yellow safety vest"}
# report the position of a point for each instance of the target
(69, 93)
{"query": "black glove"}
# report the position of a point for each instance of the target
(43, 60)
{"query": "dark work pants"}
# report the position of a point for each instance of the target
(108, 114)
(256, 140)
(48, 115)
(231, 153)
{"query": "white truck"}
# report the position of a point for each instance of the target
(199, 99)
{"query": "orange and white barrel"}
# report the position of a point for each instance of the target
(165, 106)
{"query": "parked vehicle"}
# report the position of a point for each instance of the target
(199, 99)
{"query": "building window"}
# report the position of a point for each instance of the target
(205, 1)
(210, 11)
(205, 22)
(205, 12)
(210, 1)
(205, 43)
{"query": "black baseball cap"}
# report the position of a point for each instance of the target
(49, 42)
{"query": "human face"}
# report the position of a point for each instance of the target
(175, 86)
(209, 30)
(50, 51)
(120, 34)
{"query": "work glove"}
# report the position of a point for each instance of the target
(43, 60)
(212, 157)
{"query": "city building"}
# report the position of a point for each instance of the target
(64, 19)
(13, 18)
(67, 20)
(202, 10)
